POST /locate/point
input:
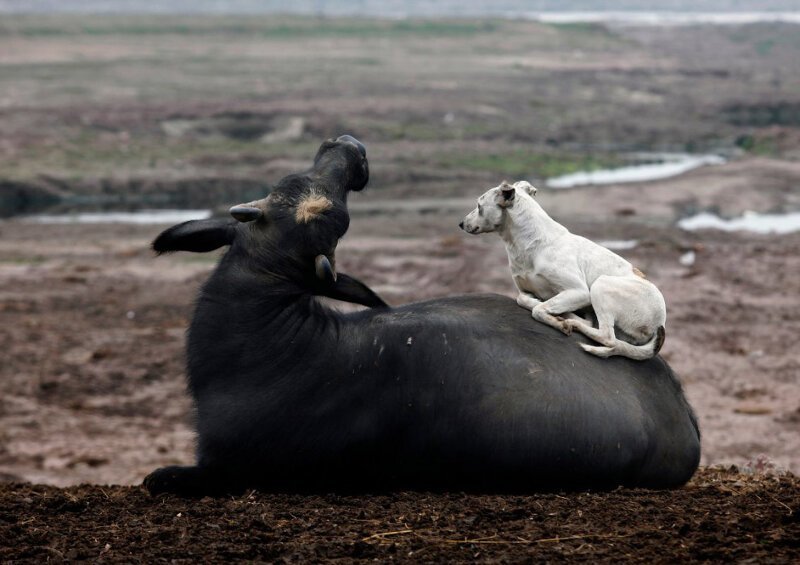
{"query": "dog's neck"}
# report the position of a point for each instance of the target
(528, 226)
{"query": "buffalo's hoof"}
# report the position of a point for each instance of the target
(191, 482)
(165, 479)
(183, 481)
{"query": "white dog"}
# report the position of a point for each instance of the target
(558, 273)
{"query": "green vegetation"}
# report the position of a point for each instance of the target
(414, 131)
(758, 145)
(764, 47)
(24, 260)
(521, 163)
(764, 40)
(763, 115)
(270, 27)
(88, 155)
(583, 27)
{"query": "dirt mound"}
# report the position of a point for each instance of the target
(721, 515)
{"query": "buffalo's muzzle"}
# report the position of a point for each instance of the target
(353, 141)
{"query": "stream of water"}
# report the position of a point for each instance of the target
(750, 221)
(655, 166)
(138, 217)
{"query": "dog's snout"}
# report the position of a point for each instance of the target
(461, 224)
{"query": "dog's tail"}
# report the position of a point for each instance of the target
(625, 349)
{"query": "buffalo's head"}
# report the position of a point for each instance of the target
(290, 235)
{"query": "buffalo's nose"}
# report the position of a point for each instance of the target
(461, 224)
(354, 141)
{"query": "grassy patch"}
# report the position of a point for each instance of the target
(31, 260)
(758, 145)
(521, 163)
(415, 131)
(582, 27)
(764, 114)
(765, 40)
(271, 27)
(86, 155)
(764, 47)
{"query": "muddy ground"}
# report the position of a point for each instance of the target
(720, 516)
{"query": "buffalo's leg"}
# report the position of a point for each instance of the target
(187, 481)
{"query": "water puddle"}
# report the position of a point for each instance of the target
(676, 18)
(655, 166)
(138, 217)
(750, 221)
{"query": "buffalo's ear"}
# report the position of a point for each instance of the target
(197, 236)
(350, 289)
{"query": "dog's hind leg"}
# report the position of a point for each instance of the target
(604, 333)
(625, 349)
(611, 297)
(565, 302)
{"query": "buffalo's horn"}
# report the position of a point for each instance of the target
(324, 269)
(246, 212)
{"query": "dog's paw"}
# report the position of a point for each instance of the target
(565, 326)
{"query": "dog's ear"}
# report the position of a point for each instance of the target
(526, 187)
(506, 196)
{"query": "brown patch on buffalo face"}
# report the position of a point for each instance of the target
(310, 207)
(639, 273)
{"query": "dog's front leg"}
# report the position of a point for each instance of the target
(527, 300)
(568, 301)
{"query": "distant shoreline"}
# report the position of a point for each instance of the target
(664, 18)
(392, 11)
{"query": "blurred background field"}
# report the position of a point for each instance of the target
(133, 112)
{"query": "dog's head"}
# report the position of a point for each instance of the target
(489, 214)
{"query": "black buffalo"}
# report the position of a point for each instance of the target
(461, 393)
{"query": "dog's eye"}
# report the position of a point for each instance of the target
(480, 210)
